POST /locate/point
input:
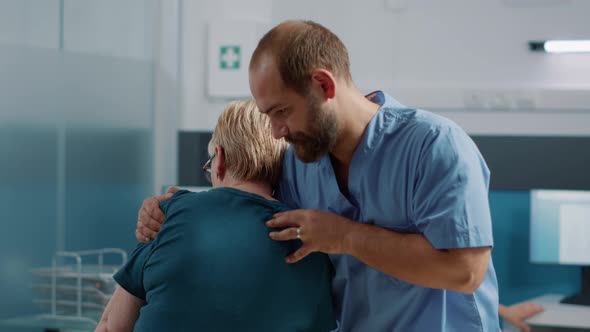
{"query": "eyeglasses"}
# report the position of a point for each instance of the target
(207, 168)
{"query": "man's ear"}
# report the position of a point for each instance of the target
(220, 164)
(325, 81)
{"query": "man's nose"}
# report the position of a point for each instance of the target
(279, 130)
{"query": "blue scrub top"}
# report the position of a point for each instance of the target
(413, 172)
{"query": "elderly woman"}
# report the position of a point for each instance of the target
(212, 266)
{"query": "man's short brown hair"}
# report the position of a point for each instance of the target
(298, 47)
(251, 152)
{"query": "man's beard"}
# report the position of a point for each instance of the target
(323, 132)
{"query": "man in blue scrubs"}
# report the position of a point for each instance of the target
(397, 196)
(400, 195)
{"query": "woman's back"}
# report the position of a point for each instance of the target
(213, 267)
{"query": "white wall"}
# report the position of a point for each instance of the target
(198, 111)
(430, 54)
(448, 52)
(485, 43)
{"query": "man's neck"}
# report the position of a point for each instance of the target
(355, 112)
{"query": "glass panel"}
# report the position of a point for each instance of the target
(76, 133)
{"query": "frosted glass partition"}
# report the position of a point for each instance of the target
(76, 140)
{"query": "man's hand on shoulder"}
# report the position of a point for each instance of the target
(318, 230)
(151, 217)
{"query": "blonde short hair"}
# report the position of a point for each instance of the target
(251, 152)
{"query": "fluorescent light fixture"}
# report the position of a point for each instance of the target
(560, 46)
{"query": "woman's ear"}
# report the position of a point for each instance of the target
(220, 162)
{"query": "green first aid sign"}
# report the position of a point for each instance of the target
(229, 57)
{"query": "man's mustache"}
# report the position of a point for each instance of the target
(302, 139)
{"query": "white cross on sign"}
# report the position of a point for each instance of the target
(229, 57)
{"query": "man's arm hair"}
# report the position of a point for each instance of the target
(412, 258)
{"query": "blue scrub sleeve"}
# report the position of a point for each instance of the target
(450, 202)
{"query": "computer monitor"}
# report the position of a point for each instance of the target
(560, 233)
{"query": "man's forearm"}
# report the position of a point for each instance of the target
(412, 258)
